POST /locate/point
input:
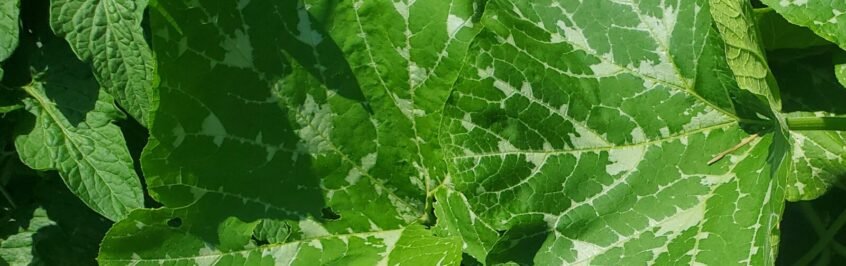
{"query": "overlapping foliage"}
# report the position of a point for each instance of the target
(424, 132)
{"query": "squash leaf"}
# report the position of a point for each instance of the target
(332, 117)
(547, 132)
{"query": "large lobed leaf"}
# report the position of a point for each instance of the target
(548, 132)
(108, 33)
(272, 123)
(590, 125)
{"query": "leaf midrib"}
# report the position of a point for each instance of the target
(603, 148)
(45, 106)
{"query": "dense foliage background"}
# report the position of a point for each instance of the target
(267, 128)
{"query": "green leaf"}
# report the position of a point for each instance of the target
(333, 133)
(744, 51)
(454, 214)
(71, 131)
(585, 129)
(545, 132)
(777, 33)
(272, 231)
(826, 18)
(9, 12)
(108, 33)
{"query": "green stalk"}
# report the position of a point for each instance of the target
(824, 241)
(154, 4)
(8, 197)
(817, 123)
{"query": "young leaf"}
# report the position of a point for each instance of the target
(746, 57)
(71, 131)
(108, 33)
(826, 18)
(272, 231)
(9, 12)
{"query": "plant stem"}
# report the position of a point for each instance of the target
(8, 197)
(824, 241)
(817, 123)
(5, 174)
(819, 228)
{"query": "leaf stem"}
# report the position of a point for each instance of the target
(154, 4)
(813, 218)
(428, 219)
(5, 174)
(817, 123)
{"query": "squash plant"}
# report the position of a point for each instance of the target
(423, 132)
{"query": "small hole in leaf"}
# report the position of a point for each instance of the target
(330, 214)
(260, 242)
(175, 222)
